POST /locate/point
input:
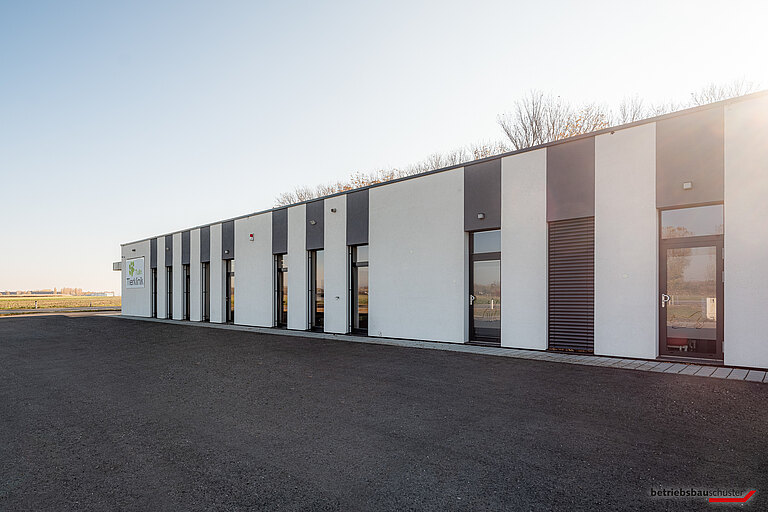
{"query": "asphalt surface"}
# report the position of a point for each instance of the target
(103, 413)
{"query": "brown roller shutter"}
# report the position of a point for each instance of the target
(572, 284)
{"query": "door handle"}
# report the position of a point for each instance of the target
(665, 299)
(471, 300)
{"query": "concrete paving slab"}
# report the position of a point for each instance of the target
(675, 368)
(722, 373)
(706, 371)
(738, 374)
(755, 376)
(690, 369)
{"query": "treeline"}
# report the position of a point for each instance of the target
(537, 118)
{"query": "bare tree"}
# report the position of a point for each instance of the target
(631, 108)
(714, 92)
(539, 118)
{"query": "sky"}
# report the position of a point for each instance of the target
(124, 120)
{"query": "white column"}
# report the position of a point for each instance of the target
(178, 279)
(417, 258)
(746, 238)
(626, 243)
(336, 265)
(218, 297)
(254, 292)
(524, 250)
(298, 293)
(195, 277)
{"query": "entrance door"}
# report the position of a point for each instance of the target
(691, 284)
(186, 292)
(205, 284)
(485, 287)
(281, 292)
(230, 291)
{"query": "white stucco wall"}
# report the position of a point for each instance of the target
(195, 279)
(136, 301)
(336, 265)
(626, 243)
(218, 297)
(298, 293)
(746, 238)
(162, 294)
(524, 250)
(178, 279)
(253, 271)
(417, 259)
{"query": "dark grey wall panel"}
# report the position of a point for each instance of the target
(185, 247)
(280, 231)
(228, 240)
(690, 148)
(571, 303)
(571, 180)
(205, 244)
(316, 231)
(357, 217)
(153, 253)
(482, 196)
(168, 250)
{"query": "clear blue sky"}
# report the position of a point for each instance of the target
(122, 120)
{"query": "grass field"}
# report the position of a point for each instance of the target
(11, 302)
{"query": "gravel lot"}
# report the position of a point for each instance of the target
(104, 413)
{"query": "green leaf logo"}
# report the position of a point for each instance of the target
(131, 269)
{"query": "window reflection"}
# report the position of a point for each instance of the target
(697, 221)
(486, 241)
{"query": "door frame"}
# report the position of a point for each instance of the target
(716, 241)
(484, 256)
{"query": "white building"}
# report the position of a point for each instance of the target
(645, 240)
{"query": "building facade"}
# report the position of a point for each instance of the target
(644, 241)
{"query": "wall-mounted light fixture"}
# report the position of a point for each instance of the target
(226, 251)
(333, 210)
(167, 248)
(481, 216)
(133, 250)
(688, 185)
(312, 222)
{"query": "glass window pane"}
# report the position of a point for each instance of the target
(692, 308)
(486, 241)
(486, 307)
(698, 221)
(361, 254)
(361, 320)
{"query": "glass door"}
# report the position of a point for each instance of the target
(485, 287)
(316, 289)
(206, 296)
(691, 283)
(230, 291)
(186, 292)
(281, 292)
(359, 288)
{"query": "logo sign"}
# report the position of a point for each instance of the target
(134, 273)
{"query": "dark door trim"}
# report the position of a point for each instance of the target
(474, 337)
(716, 241)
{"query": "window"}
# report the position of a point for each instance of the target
(485, 286)
(186, 292)
(281, 291)
(205, 286)
(688, 222)
(230, 291)
(359, 288)
(317, 289)
(169, 288)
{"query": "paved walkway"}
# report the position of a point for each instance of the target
(716, 372)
